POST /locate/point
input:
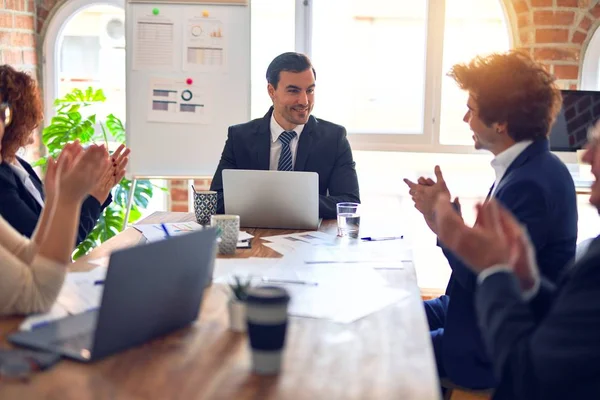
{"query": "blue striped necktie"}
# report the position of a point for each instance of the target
(285, 158)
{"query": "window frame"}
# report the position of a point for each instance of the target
(589, 78)
(429, 140)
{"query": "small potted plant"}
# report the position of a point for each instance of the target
(237, 303)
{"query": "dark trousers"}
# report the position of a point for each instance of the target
(436, 310)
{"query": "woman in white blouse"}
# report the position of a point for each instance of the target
(32, 271)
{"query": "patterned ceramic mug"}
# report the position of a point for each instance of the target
(205, 205)
(230, 230)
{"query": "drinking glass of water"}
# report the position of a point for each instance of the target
(348, 219)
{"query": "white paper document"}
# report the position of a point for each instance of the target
(182, 100)
(254, 267)
(303, 238)
(359, 252)
(205, 44)
(37, 320)
(155, 232)
(80, 292)
(340, 304)
(153, 40)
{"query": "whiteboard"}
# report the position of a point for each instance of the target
(188, 80)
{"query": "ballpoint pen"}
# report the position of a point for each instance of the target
(268, 280)
(375, 239)
(164, 228)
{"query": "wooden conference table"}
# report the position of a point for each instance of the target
(386, 355)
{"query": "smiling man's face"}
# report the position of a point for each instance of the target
(293, 99)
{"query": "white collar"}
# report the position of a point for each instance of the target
(502, 161)
(19, 170)
(277, 130)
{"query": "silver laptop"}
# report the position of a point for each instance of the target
(272, 199)
(150, 290)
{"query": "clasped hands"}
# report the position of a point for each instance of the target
(74, 173)
(497, 238)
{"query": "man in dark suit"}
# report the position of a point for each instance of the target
(543, 338)
(512, 103)
(288, 138)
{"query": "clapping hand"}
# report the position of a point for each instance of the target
(78, 170)
(425, 192)
(496, 239)
(112, 174)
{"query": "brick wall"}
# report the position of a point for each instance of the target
(556, 32)
(17, 34)
(579, 111)
(18, 42)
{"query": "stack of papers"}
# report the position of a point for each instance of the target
(155, 232)
(340, 292)
(320, 248)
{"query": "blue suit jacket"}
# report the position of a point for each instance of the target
(549, 348)
(322, 148)
(538, 189)
(20, 209)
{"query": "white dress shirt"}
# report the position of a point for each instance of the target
(502, 161)
(26, 179)
(277, 130)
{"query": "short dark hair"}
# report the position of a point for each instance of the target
(290, 61)
(513, 88)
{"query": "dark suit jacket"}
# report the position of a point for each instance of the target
(548, 348)
(538, 189)
(22, 211)
(322, 148)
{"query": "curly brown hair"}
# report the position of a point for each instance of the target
(20, 91)
(513, 88)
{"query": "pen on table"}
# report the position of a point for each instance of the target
(164, 228)
(289, 281)
(375, 239)
(101, 282)
(39, 324)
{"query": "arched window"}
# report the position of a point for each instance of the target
(84, 46)
(590, 70)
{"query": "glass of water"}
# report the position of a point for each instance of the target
(348, 219)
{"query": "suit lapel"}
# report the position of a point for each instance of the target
(534, 149)
(305, 144)
(35, 179)
(262, 142)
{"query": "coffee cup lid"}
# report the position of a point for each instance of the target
(267, 295)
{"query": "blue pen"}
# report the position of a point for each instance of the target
(99, 282)
(375, 239)
(39, 324)
(164, 228)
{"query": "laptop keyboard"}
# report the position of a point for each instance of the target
(76, 342)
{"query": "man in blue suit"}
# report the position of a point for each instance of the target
(544, 345)
(512, 104)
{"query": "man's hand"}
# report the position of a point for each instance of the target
(497, 238)
(424, 194)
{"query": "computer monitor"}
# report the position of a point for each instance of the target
(580, 110)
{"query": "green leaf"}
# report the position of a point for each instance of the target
(116, 128)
